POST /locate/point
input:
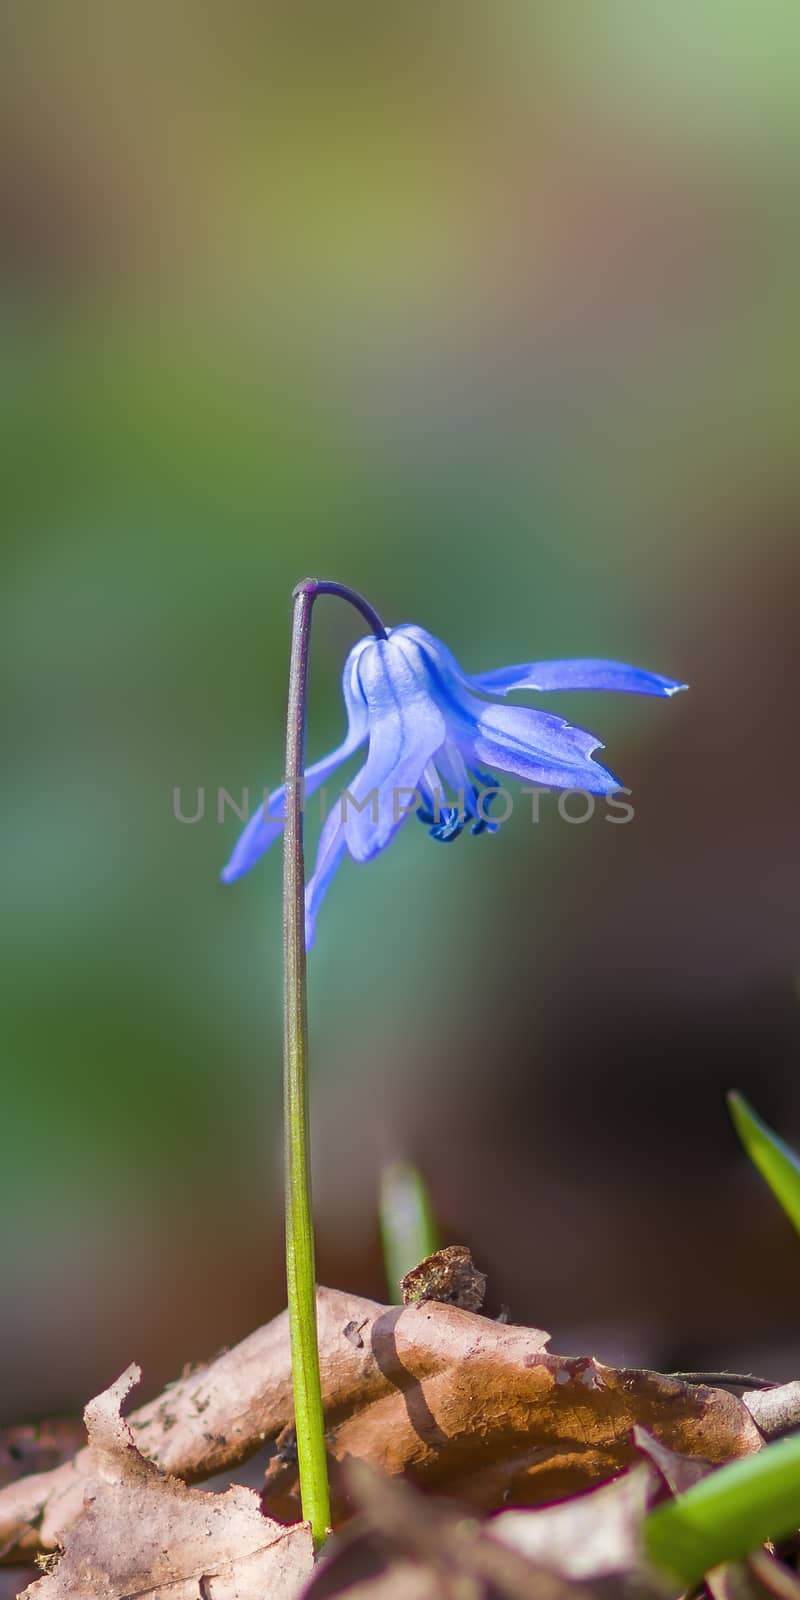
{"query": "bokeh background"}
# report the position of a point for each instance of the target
(490, 310)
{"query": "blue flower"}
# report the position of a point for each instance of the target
(431, 730)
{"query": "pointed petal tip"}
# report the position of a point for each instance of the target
(607, 782)
(674, 688)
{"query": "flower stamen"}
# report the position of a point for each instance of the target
(488, 787)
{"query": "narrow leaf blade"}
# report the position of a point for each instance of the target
(408, 1226)
(778, 1165)
(729, 1514)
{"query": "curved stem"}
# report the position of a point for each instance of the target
(300, 1267)
(315, 586)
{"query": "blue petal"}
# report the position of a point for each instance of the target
(261, 831)
(406, 728)
(531, 744)
(257, 837)
(329, 854)
(584, 674)
(590, 673)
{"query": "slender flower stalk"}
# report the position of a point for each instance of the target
(300, 1268)
(432, 731)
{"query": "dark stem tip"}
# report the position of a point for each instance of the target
(311, 587)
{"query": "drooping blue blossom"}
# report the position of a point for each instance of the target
(431, 732)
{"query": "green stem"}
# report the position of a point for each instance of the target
(300, 1271)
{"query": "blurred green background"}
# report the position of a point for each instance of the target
(492, 312)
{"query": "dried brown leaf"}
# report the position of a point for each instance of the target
(775, 1410)
(407, 1545)
(591, 1535)
(464, 1405)
(679, 1472)
(484, 1412)
(141, 1532)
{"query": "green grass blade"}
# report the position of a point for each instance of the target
(775, 1161)
(408, 1227)
(728, 1514)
